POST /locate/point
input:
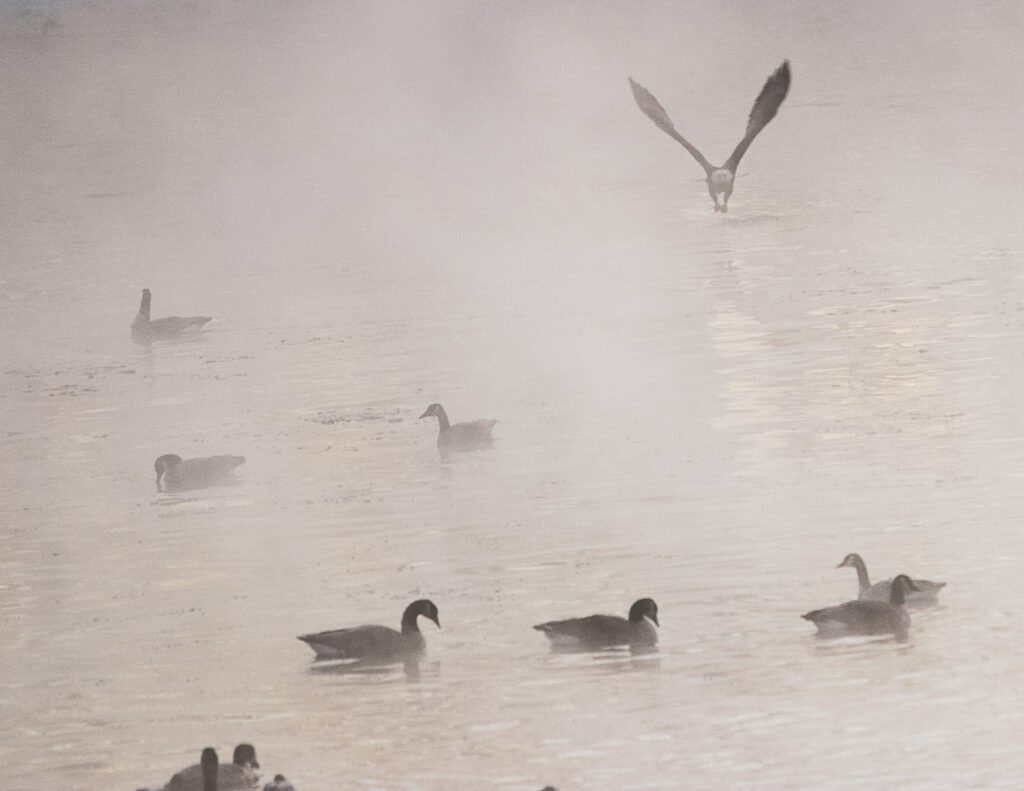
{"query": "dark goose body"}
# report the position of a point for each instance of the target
(720, 180)
(474, 435)
(145, 329)
(867, 617)
(925, 595)
(375, 643)
(239, 774)
(174, 474)
(594, 632)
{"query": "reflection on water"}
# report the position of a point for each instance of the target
(361, 667)
(710, 410)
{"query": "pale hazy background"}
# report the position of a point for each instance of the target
(389, 204)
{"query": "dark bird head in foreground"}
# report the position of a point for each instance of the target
(720, 180)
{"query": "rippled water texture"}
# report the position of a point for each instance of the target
(383, 208)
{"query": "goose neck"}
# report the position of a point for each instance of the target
(409, 624)
(897, 596)
(863, 580)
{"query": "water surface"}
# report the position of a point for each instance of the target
(384, 208)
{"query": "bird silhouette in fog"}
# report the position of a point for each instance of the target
(174, 474)
(146, 330)
(925, 593)
(867, 616)
(474, 435)
(210, 774)
(373, 643)
(720, 180)
(595, 632)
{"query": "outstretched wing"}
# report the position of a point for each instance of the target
(653, 110)
(765, 107)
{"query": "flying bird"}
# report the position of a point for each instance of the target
(721, 179)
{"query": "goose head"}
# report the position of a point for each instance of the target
(850, 561)
(162, 465)
(644, 608)
(423, 607)
(900, 586)
(245, 754)
(434, 410)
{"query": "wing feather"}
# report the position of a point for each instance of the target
(652, 109)
(765, 107)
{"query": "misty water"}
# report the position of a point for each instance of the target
(383, 208)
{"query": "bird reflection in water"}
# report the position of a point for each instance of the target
(411, 666)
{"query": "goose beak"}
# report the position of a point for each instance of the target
(425, 414)
(655, 619)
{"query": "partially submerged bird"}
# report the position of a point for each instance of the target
(174, 474)
(604, 631)
(210, 775)
(460, 436)
(925, 593)
(279, 784)
(374, 643)
(145, 330)
(720, 180)
(867, 616)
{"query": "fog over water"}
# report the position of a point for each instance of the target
(385, 205)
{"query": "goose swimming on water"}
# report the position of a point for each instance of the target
(374, 643)
(925, 593)
(867, 616)
(594, 632)
(145, 329)
(474, 435)
(721, 180)
(210, 775)
(174, 474)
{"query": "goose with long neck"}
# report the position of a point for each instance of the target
(865, 616)
(474, 435)
(145, 329)
(925, 593)
(593, 632)
(373, 643)
(720, 180)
